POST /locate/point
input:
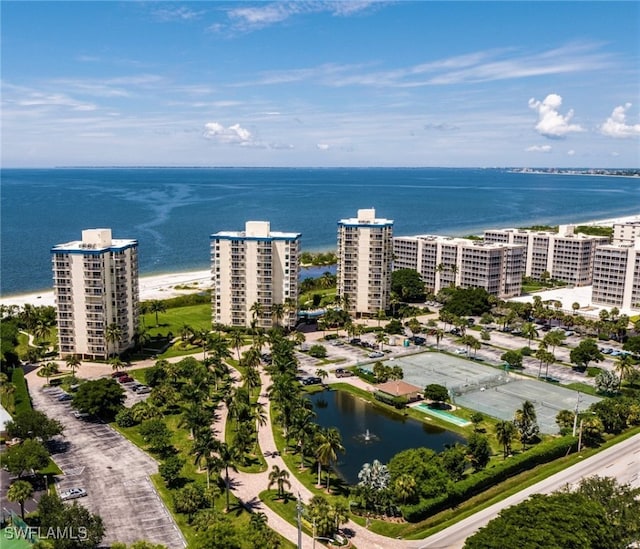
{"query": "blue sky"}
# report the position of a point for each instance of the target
(314, 83)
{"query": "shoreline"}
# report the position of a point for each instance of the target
(163, 286)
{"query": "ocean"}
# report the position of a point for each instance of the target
(173, 211)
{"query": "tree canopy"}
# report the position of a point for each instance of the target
(33, 424)
(466, 301)
(26, 456)
(585, 352)
(100, 397)
(599, 515)
(408, 285)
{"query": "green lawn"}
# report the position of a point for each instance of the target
(197, 317)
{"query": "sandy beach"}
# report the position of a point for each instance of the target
(164, 286)
(161, 286)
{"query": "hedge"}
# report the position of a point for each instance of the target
(21, 398)
(482, 480)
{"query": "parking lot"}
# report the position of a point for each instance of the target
(113, 471)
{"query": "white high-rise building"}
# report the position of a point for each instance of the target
(96, 288)
(445, 261)
(564, 255)
(616, 275)
(365, 257)
(255, 273)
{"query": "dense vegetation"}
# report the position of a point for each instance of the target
(600, 514)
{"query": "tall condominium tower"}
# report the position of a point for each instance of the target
(255, 276)
(365, 257)
(444, 261)
(564, 255)
(96, 290)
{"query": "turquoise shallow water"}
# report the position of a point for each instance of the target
(172, 212)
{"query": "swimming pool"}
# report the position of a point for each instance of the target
(446, 416)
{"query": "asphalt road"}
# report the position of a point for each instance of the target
(621, 461)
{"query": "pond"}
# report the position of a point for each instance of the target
(370, 432)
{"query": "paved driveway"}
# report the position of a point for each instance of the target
(115, 474)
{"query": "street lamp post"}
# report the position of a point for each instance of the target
(299, 510)
(575, 415)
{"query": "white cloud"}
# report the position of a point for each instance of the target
(176, 14)
(322, 146)
(539, 148)
(266, 14)
(37, 99)
(235, 134)
(571, 153)
(616, 125)
(550, 122)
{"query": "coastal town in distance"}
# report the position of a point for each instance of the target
(517, 342)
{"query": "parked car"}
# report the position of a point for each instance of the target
(376, 354)
(355, 341)
(417, 340)
(311, 381)
(64, 397)
(80, 415)
(119, 374)
(73, 493)
(126, 379)
(341, 372)
(144, 390)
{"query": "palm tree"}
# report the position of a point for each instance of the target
(381, 338)
(258, 520)
(143, 309)
(157, 306)
(41, 330)
(116, 364)
(73, 362)
(438, 334)
(259, 412)
(322, 374)
(505, 433)
(529, 331)
(20, 491)
(49, 369)
(186, 332)
(280, 477)
(454, 271)
(277, 313)
(404, 487)
(228, 456)
(237, 340)
(257, 311)
(113, 335)
(329, 445)
(623, 367)
(204, 446)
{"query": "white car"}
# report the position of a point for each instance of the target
(73, 493)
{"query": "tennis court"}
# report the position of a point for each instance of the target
(490, 390)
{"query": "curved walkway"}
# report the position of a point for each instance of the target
(248, 486)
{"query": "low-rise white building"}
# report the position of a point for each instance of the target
(565, 255)
(446, 261)
(626, 233)
(616, 275)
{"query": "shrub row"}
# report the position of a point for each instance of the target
(397, 402)
(482, 480)
(21, 398)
